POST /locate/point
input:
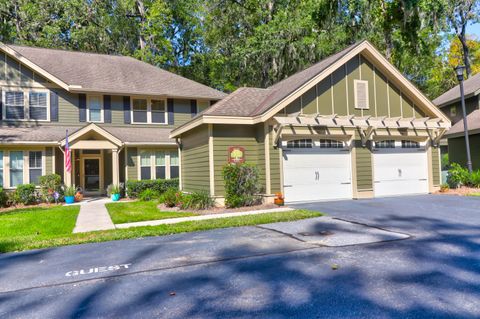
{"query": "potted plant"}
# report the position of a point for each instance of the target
(70, 192)
(114, 192)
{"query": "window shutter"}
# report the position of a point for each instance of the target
(82, 106)
(170, 111)
(361, 94)
(107, 109)
(53, 106)
(193, 107)
(126, 109)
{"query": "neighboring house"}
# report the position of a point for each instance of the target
(449, 102)
(350, 126)
(118, 111)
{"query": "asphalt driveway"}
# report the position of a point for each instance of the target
(257, 272)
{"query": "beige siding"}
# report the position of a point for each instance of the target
(195, 160)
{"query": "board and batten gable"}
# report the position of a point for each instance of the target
(335, 94)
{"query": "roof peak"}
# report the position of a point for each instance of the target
(12, 46)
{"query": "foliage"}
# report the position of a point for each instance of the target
(445, 161)
(135, 187)
(148, 194)
(474, 180)
(241, 185)
(444, 187)
(3, 197)
(49, 184)
(459, 176)
(129, 212)
(70, 191)
(24, 194)
(113, 189)
(171, 197)
(197, 201)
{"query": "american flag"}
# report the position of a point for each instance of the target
(68, 162)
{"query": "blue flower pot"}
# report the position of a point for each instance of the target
(69, 199)
(115, 197)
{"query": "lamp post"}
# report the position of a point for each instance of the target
(459, 70)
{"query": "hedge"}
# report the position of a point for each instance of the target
(135, 187)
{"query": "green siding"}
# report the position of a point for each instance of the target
(275, 167)
(436, 166)
(182, 111)
(369, 75)
(394, 101)
(67, 107)
(3, 63)
(13, 70)
(471, 104)
(407, 107)
(309, 101)
(195, 160)
(121, 165)
(59, 162)
(381, 94)
(132, 168)
(48, 160)
(325, 96)
(363, 160)
(107, 168)
(457, 151)
(294, 107)
(353, 73)
(339, 91)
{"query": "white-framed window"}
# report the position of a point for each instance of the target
(325, 143)
(1, 168)
(16, 168)
(385, 144)
(160, 165)
(95, 109)
(149, 111)
(301, 143)
(361, 94)
(25, 104)
(35, 166)
(38, 106)
(145, 165)
(174, 165)
(410, 144)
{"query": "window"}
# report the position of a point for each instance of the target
(410, 144)
(174, 169)
(1, 168)
(385, 144)
(160, 165)
(16, 168)
(303, 143)
(453, 111)
(145, 165)
(95, 109)
(38, 107)
(14, 105)
(140, 111)
(158, 111)
(330, 144)
(361, 94)
(35, 166)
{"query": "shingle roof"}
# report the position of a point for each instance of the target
(56, 133)
(255, 101)
(114, 74)
(470, 86)
(473, 123)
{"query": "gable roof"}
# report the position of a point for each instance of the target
(254, 105)
(115, 74)
(473, 123)
(471, 87)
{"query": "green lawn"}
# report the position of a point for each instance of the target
(139, 211)
(27, 226)
(474, 194)
(25, 241)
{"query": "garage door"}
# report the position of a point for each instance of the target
(400, 168)
(316, 170)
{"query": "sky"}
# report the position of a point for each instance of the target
(474, 29)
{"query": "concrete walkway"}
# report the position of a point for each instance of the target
(93, 216)
(202, 217)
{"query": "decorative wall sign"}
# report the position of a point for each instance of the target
(236, 154)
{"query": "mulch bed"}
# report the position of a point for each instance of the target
(217, 210)
(461, 191)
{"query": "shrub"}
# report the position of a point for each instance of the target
(457, 176)
(445, 162)
(70, 191)
(3, 197)
(24, 194)
(241, 185)
(197, 201)
(147, 195)
(444, 188)
(49, 184)
(135, 187)
(113, 189)
(475, 179)
(171, 197)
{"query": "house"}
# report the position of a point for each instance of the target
(350, 126)
(118, 111)
(449, 102)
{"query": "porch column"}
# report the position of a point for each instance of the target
(115, 168)
(66, 175)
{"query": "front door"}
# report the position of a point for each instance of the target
(91, 179)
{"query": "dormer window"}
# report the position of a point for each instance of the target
(149, 111)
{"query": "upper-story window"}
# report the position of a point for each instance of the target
(150, 111)
(24, 104)
(95, 109)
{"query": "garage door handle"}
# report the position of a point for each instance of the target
(346, 183)
(287, 185)
(422, 179)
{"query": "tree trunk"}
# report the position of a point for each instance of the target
(141, 13)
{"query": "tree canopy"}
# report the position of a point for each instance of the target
(231, 43)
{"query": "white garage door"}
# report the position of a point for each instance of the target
(316, 170)
(400, 168)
